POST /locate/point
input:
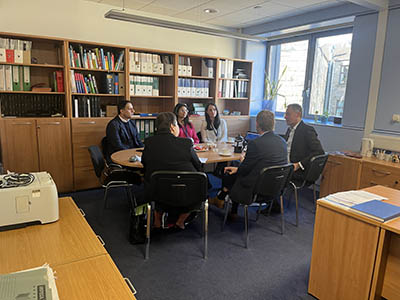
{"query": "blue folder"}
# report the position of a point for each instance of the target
(378, 210)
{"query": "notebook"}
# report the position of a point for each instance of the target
(378, 210)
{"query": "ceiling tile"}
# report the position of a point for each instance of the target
(159, 10)
(179, 5)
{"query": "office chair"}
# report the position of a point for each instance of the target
(112, 177)
(179, 189)
(270, 184)
(313, 172)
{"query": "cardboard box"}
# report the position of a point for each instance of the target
(111, 110)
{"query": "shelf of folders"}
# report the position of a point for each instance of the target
(188, 87)
(150, 63)
(96, 58)
(15, 51)
(232, 89)
(86, 107)
(145, 127)
(102, 83)
(144, 85)
(31, 105)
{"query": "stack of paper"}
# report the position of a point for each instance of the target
(36, 283)
(351, 198)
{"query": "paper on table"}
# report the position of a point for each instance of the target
(351, 198)
(203, 160)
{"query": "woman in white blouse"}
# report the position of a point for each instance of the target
(213, 128)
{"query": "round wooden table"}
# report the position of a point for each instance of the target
(122, 157)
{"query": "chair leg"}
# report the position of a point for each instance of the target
(148, 224)
(258, 211)
(205, 229)
(246, 224)
(282, 216)
(297, 202)
(227, 204)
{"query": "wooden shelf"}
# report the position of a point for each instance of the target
(35, 65)
(102, 95)
(156, 97)
(95, 70)
(234, 98)
(31, 92)
(150, 74)
(196, 98)
(196, 77)
(235, 79)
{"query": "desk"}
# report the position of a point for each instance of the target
(70, 247)
(353, 256)
(122, 157)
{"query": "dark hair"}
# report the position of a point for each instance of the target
(217, 120)
(185, 120)
(122, 105)
(296, 108)
(164, 121)
(265, 120)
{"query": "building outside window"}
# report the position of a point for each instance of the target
(316, 72)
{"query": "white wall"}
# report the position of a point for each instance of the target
(84, 20)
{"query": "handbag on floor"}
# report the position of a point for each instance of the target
(137, 221)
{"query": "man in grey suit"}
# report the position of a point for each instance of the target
(265, 151)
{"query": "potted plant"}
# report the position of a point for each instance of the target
(271, 90)
(324, 117)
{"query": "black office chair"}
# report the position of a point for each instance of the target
(179, 189)
(112, 177)
(313, 172)
(270, 184)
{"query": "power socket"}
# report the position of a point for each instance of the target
(396, 118)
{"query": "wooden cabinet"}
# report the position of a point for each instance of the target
(86, 132)
(341, 173)
(380, 173)
(30, 145)
(344, 173)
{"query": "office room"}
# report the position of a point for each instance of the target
(336, 60)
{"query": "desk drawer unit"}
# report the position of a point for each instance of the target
(86, 132)
(377, 174)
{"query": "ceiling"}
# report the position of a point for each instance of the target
(230, 13)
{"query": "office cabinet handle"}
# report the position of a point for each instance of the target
(88, 122)
(381, 172)
(82, 212)
(101, 240)
(23, 123)
(129, 283)
(338, 163)
(84, 147)
(51, 123)
(374, 183)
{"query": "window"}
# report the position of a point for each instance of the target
(314, 68)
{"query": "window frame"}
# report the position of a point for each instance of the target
(311, 38)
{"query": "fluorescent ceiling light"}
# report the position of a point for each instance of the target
(123, 16)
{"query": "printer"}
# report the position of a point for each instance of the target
(33, 201)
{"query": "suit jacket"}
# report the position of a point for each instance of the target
(118, 137)
(305, 145)
(165, 152)
(265, 151)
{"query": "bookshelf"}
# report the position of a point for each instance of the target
(76, 117)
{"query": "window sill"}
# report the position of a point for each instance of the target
(312, 122)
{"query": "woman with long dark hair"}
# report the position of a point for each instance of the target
(213, 128)
(186, 128)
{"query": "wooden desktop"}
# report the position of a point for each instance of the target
(353, 256)
(84, 270)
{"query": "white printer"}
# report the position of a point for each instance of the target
(31, 202)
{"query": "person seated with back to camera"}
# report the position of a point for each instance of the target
(165, 151)
(186, 128)
(213, 128)
(121, 131)
(268, 150)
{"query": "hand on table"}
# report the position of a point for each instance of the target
(296, 166)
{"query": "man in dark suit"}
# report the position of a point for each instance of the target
(302, 141)
(121, 131)
(265, 151)
(167, 152)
